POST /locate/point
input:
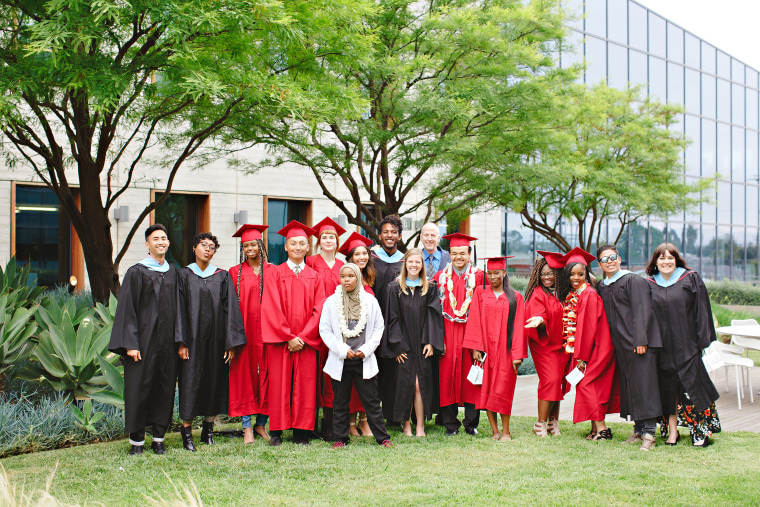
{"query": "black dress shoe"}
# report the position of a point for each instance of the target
(471, 431)
(678, 437)
(187, 438)
(136, 449)
(207, 435)
(451, 433)
(275, 441)
(158, 447)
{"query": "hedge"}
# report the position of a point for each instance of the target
(728, 292)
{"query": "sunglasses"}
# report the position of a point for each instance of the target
(605, 260)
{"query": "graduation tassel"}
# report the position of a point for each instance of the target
(485, 273)
(475, 253)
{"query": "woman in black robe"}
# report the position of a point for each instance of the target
(682, 308)
(414, 332)
(209, 327)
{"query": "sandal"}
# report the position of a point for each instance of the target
(603, 435)
(591, 435)
(540, 429)
(553, 427)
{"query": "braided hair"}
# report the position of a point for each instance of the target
(264, 258)
(535, 280)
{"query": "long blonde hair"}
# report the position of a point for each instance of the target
(402, 277)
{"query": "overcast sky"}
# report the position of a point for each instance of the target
(729, 25)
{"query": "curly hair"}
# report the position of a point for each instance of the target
(205, 235)
(394, 220)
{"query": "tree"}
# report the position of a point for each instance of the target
(613, 157)
(443, 76)
(91, 91)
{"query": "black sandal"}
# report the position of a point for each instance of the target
(591, 435)
(603, 435)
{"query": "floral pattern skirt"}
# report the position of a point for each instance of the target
(701, 424)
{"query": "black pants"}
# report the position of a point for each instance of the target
(369, 396)
(159, 430)
(645, 426)
(298, 435)
(449, 415)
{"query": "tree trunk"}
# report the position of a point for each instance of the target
(2, 382)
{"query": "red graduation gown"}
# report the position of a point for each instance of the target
(598, 393)
(330, 278)
(247, 369)
(552, 364)
(455, 364)
(487, 331)
(291, 309)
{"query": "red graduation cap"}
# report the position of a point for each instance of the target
(578, 255)
(328, 224)
(496, 263)
(250, 232)
(457, 239)
(354, 240)
(296, 229)
(553, 259)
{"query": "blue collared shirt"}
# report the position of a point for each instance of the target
(436, 261)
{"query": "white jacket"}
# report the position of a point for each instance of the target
(329, 331)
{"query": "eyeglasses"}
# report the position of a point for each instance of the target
(547, 275)
(605, 260)
(208, 246)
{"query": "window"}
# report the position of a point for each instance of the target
(43, 237)
(708, 96)
(520, 244)
(708, 58)
(724, 202)
(751, 108)
(596, 17)
(693, 149)
(675, 43)
(737, 155)
(692, 91)
(724, 65)
(596, 60)
(675, 83)
(708, 148)
(617, 21)
(572, 49)
(692, 51)
(618, 66)
(657, 79)
(637, 26)
(751, 154)
(279, 212)
(184, 216)
(724, 151)
(363, 231)
(656, 35)
(638, 69)
(737, 101)
(737, 71)
(724, 100)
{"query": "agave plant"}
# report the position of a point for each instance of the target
(72, 354)
(16, 331)
(16, 281)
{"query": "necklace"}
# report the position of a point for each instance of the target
(446, 284)
(359, 327)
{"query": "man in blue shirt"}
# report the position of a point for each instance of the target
(435, 258)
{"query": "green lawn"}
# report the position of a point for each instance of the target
(460, 470)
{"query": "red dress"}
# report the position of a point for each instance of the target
(291, 308)
(598, 394)
(487, 331)
(549, 358)
(247, 369)
(455, 364)
(330, 278)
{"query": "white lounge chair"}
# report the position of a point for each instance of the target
(720, 355)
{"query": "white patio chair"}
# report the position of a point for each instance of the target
(724, 355)
(746, 342)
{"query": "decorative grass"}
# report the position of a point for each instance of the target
(459, 470)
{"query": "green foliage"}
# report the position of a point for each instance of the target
(85, 417)
(728, 292)
(16, 331)
(16, 282)
(30, 424)
(72, 351)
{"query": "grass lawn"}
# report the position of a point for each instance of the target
(460, 470)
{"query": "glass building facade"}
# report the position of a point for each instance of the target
(623, 42)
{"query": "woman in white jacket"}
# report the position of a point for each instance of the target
(351, 326)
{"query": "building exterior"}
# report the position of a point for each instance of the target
(624, 42)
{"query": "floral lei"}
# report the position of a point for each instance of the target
(570, 319)
(359, 327)
(446, 284)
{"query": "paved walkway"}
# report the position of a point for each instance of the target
(731, 418)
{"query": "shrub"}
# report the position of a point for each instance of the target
(728, 292)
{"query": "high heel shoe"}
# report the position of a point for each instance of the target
(678, 437)
(552, 425)
(603, 435)
(540, 429)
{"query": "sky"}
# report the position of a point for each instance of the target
(729, 25)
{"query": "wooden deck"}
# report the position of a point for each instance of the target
(731, 418)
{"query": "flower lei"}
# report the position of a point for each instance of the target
(359, 327)
(446, 284)
(570, 319)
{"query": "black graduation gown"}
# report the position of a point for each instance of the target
(412, 321)
(144, 321)
(385, 273)
(685, 320)
(208, 323)
(628, 305)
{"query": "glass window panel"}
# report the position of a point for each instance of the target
(737, 154)
(708, 58)
(724, 202)
(596, 17)
(752, 240)
(657, 232)
(280, 213)
(638, 68)
(709, 205)
(572, 49)
(737, 273)
(753, 212)
(519, 244)
(658, 81)
(675, 234)
(751, 155)
(752, 77)
(638, 245)
(724, 100)
(737, 71)
(617, 21)
(694, 214)
(618, 66)
(708, 252)
(751, 108)
(737, 100)
(692, 51)
(723, 252)
(724, 65)
(179, 213)
(690, 245)
(693, 149)
(692, 91)
(596, 60)
(708, 148)
(675, 43)
(657, 35)
(573, 9)
(675, 83)
(724, 151)
(737, 203)
(43, 234)
(708, 96)
(637, 26)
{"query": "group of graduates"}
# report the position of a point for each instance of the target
(392, 338)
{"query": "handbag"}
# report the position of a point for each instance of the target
(475, 376)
